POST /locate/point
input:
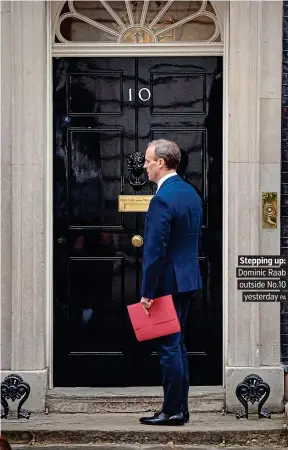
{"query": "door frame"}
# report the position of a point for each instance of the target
(126, 50)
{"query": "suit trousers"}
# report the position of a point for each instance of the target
(173, 360)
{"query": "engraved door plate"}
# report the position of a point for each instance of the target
(134, 203)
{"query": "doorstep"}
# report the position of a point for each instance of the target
(203, 429)
(128, 400)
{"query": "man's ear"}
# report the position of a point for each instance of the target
(161, 162)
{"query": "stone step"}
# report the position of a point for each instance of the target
(123, 429)
(109, 446)
(130, 400)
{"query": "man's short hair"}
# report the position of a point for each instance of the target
(168, 151)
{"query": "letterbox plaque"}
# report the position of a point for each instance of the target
(134, 203)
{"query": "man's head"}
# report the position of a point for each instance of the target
(162, 157)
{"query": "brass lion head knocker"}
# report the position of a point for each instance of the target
(137, 173)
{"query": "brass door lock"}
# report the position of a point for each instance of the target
(137, 240)
(269, 210)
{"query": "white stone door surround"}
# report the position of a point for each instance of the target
(252, 337)
(252, 119)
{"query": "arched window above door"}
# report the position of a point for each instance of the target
(138, 22)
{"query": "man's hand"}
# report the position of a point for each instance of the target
(146, 303)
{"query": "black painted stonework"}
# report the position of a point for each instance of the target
(284, 180)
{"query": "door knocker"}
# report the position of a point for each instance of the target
(137, 173)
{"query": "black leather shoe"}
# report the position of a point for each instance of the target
(186, 417)
(163, 419)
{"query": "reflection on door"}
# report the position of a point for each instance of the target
(99, 120)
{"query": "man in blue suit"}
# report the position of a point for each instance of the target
(171, 266)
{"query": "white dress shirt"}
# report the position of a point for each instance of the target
(161, 181)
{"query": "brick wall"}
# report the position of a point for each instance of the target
(284, 179)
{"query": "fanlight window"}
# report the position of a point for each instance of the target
(137, 22)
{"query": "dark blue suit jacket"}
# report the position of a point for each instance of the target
(171, 240)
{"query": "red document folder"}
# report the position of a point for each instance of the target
(163, 319)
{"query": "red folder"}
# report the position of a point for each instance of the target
(163, 319)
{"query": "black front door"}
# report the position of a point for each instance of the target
(106, 109)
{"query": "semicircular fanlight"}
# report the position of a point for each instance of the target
(139, 22)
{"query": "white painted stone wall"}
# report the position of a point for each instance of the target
(254, 103)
